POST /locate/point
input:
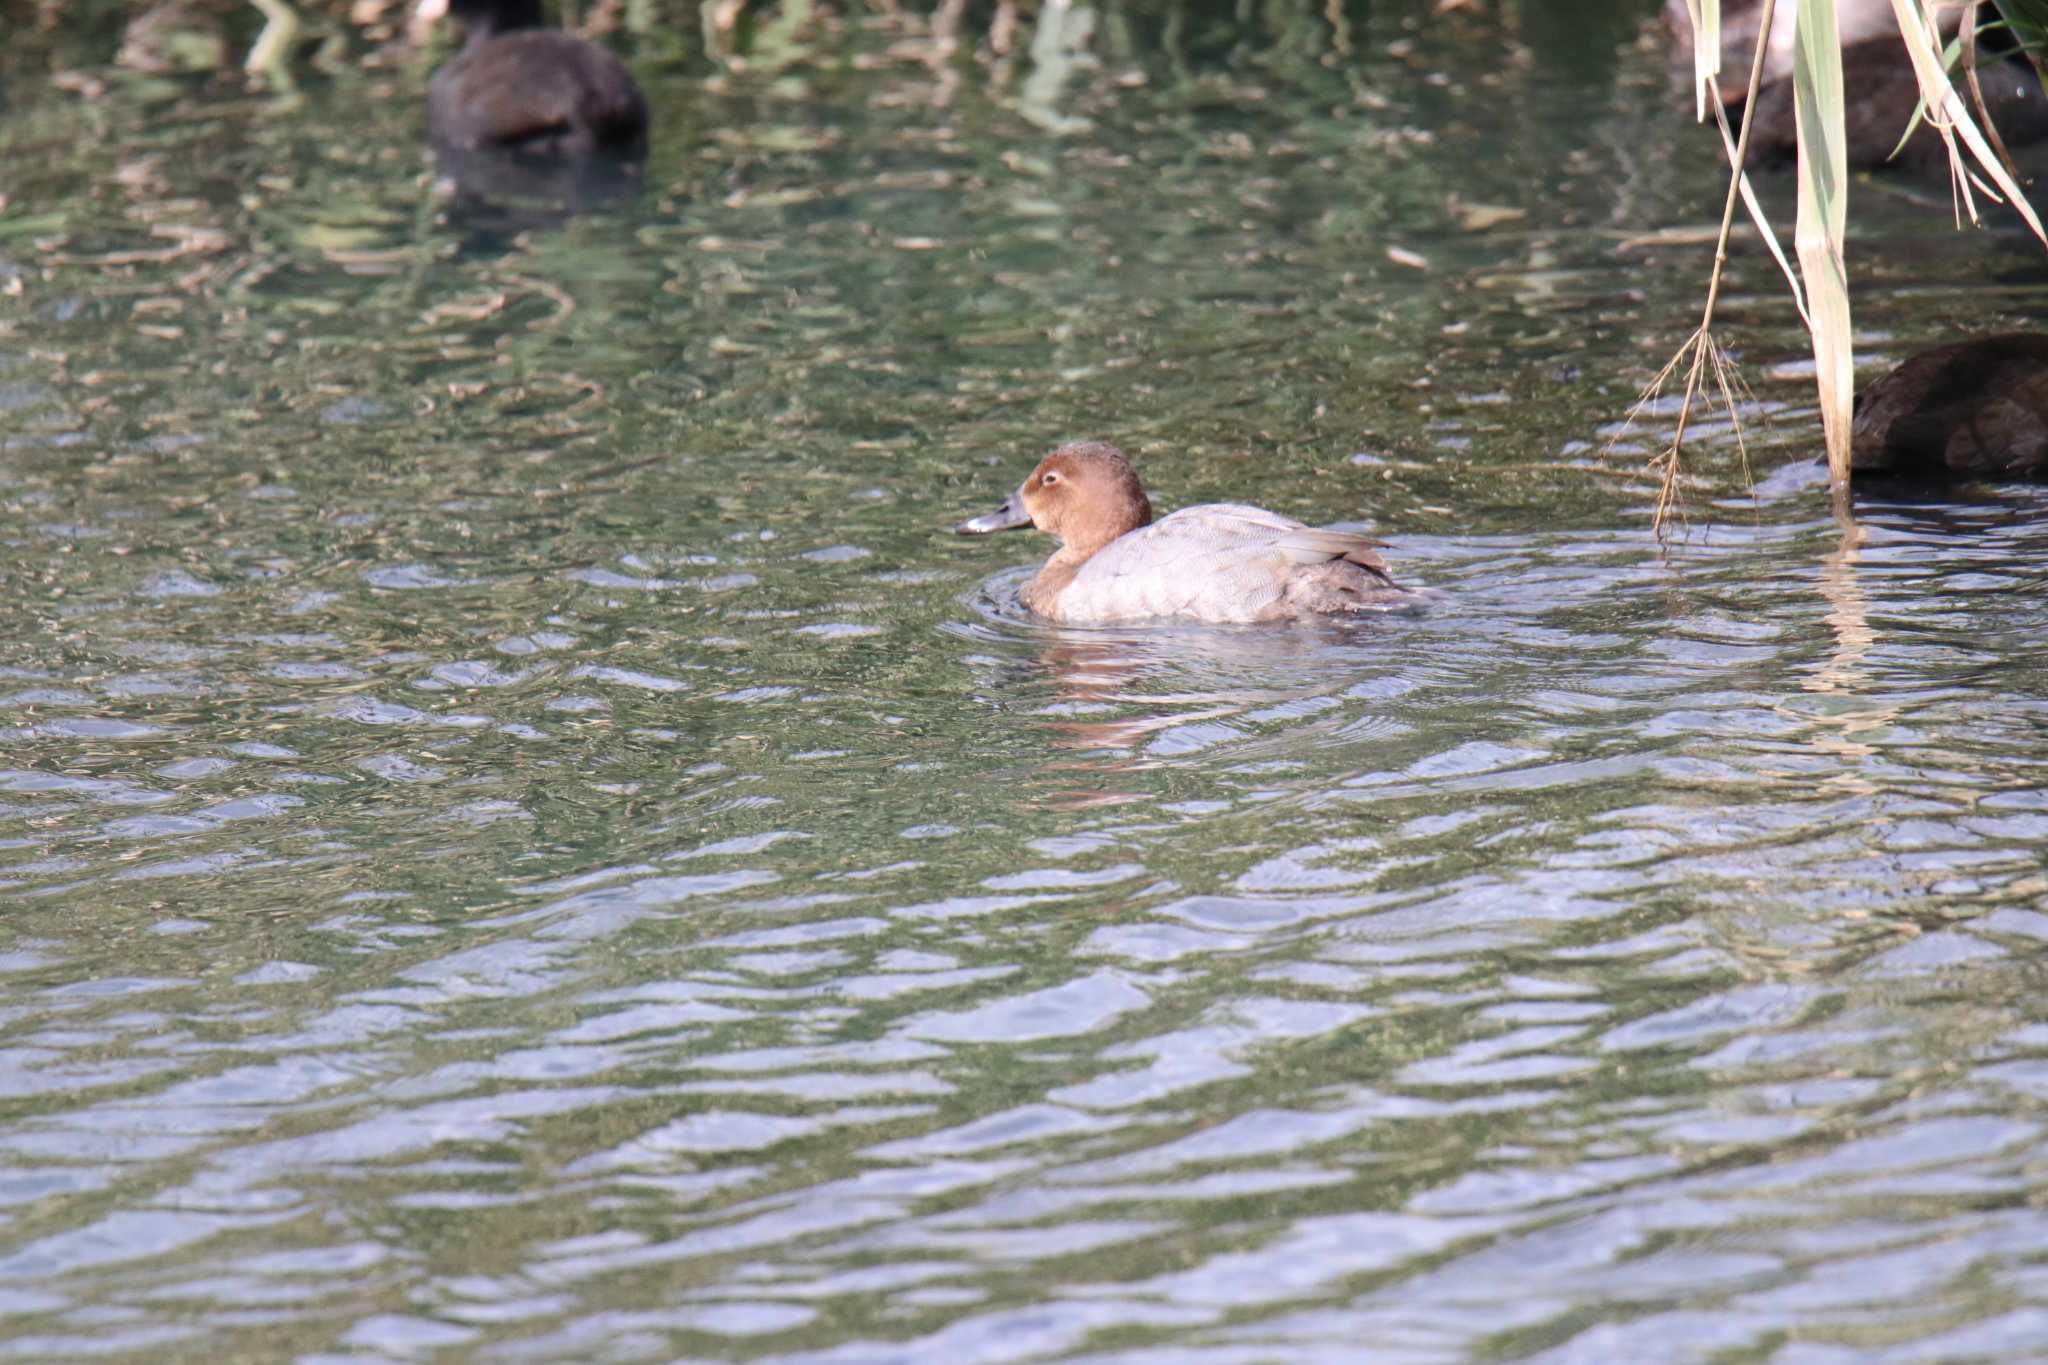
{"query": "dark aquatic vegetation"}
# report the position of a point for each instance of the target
(1221, 562)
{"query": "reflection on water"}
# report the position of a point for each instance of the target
(524, 837)
(500, 194)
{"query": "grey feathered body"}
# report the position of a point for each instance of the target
(1219, 562)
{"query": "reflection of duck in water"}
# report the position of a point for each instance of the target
(1973, 409)
(1877, 80)
(1111, 699)
(1219, 562)
(530, 112)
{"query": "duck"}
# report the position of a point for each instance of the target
(1973, 409)
(519, 87)
(1220, 562)
(1882, 93)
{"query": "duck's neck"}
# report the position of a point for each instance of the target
(1079, 543)
(1066, 562)
(1048, 583)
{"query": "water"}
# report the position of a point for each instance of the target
(524, 838)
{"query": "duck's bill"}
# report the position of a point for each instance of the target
(1008, 517)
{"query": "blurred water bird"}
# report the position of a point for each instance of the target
(1880, 91)
(1219, 562)
(520, 87)
(1975, 409)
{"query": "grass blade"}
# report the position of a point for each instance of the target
(1823, 176)
(1706, 53)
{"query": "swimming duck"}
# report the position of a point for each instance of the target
(1975, 409)
(1219, 562)
(519, 87)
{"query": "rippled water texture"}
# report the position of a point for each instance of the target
(524, 839)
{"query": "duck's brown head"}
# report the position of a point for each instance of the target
(1086, 493)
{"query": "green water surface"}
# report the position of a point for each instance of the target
(524, 838)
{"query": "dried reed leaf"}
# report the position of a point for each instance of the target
(1947, 115)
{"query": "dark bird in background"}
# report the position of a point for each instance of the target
(520, 87)
(1879, 88)
(530, 123)
(1974, 409)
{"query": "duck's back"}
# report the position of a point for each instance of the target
(1227, 562)
(1969, 409)
(538, 91)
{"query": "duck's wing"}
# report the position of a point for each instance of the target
(1220, 562)
(1319, 544)
(1253, 532)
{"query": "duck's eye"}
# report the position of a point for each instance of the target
(1048, 479)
